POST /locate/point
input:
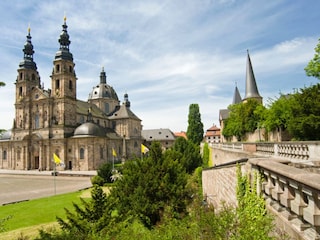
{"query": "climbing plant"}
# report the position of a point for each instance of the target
(253, 220)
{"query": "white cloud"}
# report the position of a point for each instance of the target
(164, 54)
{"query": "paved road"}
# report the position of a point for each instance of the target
(15, 188)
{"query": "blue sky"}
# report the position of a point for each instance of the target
(165, 54)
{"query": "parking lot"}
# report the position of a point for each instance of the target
(15, 188)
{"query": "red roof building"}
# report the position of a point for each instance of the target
(212, 135)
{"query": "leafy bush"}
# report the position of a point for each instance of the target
(97, 180)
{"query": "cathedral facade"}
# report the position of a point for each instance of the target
(83, 134)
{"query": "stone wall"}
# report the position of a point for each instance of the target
(219, 184)
(221, 156)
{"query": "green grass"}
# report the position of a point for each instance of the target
(38, 211)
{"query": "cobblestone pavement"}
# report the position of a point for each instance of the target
(18, 186)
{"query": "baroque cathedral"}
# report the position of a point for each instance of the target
(82, 134)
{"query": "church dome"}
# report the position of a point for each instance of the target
(103, 90)
(90, 129)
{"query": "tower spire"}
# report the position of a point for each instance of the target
(28, 52)
(236, 96)
(64, 41)
(251, 85)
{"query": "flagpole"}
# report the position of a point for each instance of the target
(54, 178)
(112, 162)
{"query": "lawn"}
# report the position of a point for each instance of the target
(39, 211)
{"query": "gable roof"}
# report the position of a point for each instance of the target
(158, 134)
(124, 112)
(213, 131)
(83, 107)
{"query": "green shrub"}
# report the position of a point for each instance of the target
(97, 180)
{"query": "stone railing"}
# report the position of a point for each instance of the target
(237, 146)
(294, 194)
(299, 151)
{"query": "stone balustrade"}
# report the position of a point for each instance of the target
(293, 193)
(298, 151)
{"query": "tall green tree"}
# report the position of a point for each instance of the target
(313, 67)
(189, 152)
(2, 84)
(195, 126)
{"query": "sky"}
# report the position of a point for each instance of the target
(165, 54)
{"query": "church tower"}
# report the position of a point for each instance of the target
(28, 79)
(63, 84)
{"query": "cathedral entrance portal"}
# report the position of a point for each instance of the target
(34, 151)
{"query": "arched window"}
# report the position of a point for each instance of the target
(20, 91)
(57, 84)
(57, 68)
(81, 153)
(70, 85)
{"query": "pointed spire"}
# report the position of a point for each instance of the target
(103, 77)
(236, 96)
(64, 41)
(251, 85)
(28, 51)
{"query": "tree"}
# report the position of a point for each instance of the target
(2, 84)
(278, 113)
(195, 126)
(313, 67)
(205, 155)
(243, 118)
(85, 219)
(189, 157)
(150, 186)
(304, 123)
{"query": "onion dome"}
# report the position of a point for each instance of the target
(103, 90)
(90, 129)
(28, 51)
(64, 41)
